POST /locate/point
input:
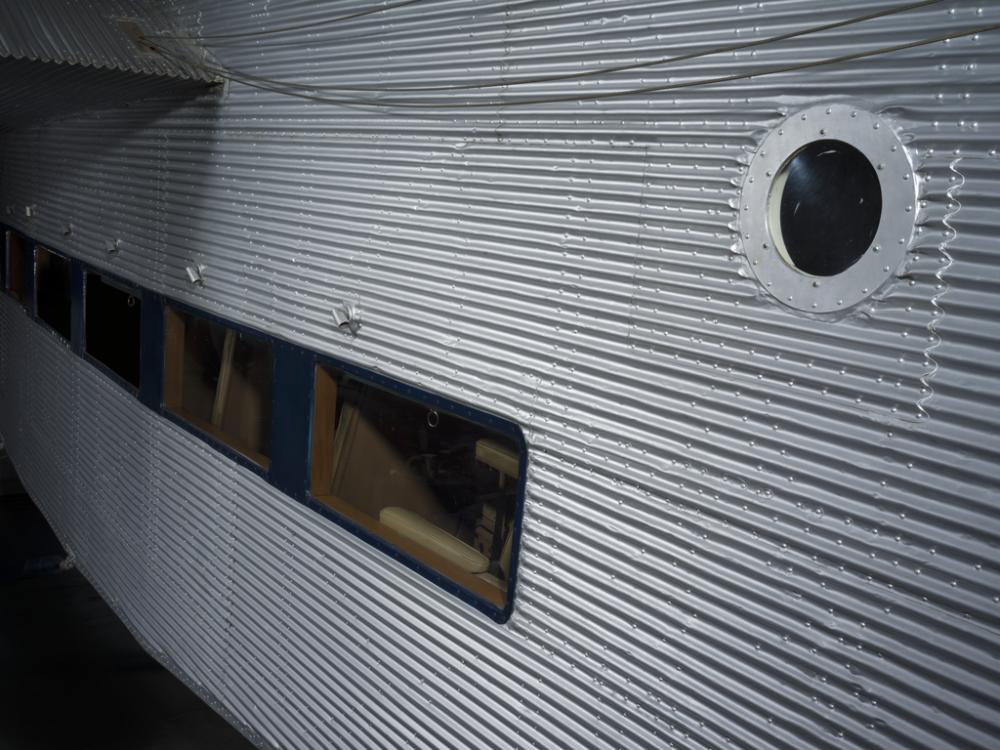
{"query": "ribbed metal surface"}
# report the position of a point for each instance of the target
(32, 92)
(58, 57)
(744, 526)
(87, 33)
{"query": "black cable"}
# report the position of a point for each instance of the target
(285, 29)
(587, 73)
(627, 92)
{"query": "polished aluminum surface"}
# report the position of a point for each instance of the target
(745, 526)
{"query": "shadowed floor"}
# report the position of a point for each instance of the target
(71, 675)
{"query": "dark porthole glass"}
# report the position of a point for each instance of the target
(830, 207)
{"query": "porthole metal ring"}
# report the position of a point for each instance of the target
(878, 142)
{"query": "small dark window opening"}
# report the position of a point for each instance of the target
(3, 261)
(17, 265)
(53, 291)
(113, 315)
(831, 206)
(220, 381)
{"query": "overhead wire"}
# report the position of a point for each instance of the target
(285, 29)
(658, 88)
(608, 70)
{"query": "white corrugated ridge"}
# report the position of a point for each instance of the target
(743, 526)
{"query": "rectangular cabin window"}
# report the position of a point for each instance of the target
(17, 266)
(113, 318)
(438, 487)
(219, 380)
(53, 290)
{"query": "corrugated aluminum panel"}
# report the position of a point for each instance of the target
(32, 92)
(61, 56)
(744, 526)
(87, 33)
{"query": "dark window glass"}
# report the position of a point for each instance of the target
(53, 290)
(113, 318)
(439, 487)
(831, 206)
(18, 265)
(220, 380)
(3, 261)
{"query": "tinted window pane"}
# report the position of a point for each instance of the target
(113, 321)
(17, 265)
(439, 487)
(220, 381)
(52, 289)
(831, 206)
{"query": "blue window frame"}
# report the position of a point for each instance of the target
(112, 313)
(53, 291)
(219, 380)
(436, 484)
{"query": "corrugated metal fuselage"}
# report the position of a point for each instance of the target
(745, 524)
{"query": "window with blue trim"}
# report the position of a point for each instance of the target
(53, 290)
(440, 488)
(219, 380)
(112, 325)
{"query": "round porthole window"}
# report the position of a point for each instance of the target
(827, 208)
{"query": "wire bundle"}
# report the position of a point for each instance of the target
(444, 96)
